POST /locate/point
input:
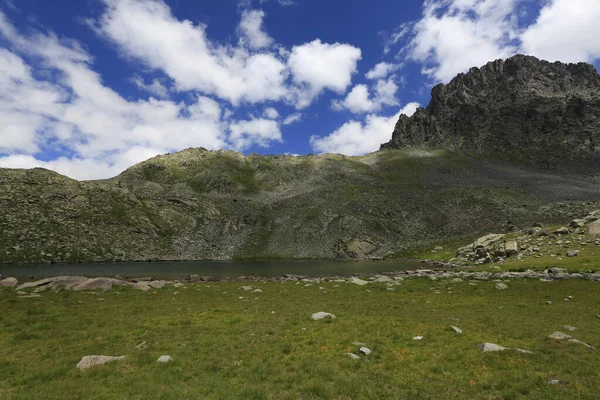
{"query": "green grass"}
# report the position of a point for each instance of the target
(265, 346)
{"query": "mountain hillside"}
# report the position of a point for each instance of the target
(200, 204)
(474, 161)
(522, 109)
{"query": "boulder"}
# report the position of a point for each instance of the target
(99, 284)
(358, 281)
(322, 315)
(9, 282)
(577, 223)
(93, 361)
(487, 347)
(562, 231)
(29, 285)
(594, 228)
(67, 282)
(511, 248)
(144, 286)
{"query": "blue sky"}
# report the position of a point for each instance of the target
(88, 88)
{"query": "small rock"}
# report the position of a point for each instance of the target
(501, 286)
(554, 382)
(164, 359)
(257, 291)
(358, 281)
(322, 315)
(485, 347)
(246, 288)
(559, 336)
(93, 361)
(456, 280)
(548, 302)
(417, 338)
(352, 356)
(141, 346)
(569, 328)
(144, 286)
(365, 351)
(456, 329)
(359, 344)
(572, 253)
(524, 351)
(562, 231)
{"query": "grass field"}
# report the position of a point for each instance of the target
(233, 344)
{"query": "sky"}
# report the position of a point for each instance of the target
(88, 88)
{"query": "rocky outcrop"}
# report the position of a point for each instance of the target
(523, 109)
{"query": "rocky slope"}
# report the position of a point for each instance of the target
(199, 204)
(521, 109)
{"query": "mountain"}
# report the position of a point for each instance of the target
(447, 176)
(522, 109)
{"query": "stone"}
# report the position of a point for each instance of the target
(487, 347)
(382, 279)
(569, 328)
(548, 302)
(178, 285)
(366, 351)
(358, 344)
(582, 343)
(67, 282)
(322, 315)
(456, 329)
(260, 291)
(501, 286)
(577, 223)
(157, 284)
(29, 285)
(594, 228)
(511, 248)
(417, 338)
(438, 248)
(559, 336)
(572, 253)
(141, 346)
(97, 284)
(246, 288)
(554, 382)
(358, 281)
(352, 356)
(524, 351)
(164, 359)
(456, 280)
(562, 231)
(9, 282)
(93, 361)
(144, 286)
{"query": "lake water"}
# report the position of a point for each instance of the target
(221, 269)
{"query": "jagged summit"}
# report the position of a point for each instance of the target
(527, 109)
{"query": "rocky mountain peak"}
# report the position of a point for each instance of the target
(532, 110)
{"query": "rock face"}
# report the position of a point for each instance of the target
(536, 111)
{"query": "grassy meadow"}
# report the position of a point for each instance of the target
(228, 343)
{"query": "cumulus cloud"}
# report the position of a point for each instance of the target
(258, 131)
(357, 138)
(251, 28)
(359, 100)
(381, 70)
(155, 87)
(292, 118)
(455, 35)
(566, 30)
(271, 113)
(318, 66)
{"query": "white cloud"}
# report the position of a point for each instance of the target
(257, 131)
(566, 30)
(251, 29)
(454, 35)
(320, 66)
(359, 99)
(155, 87)
(381, 71)
(356, 138)
(182, 51)
(271, 113)
(292, 118)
